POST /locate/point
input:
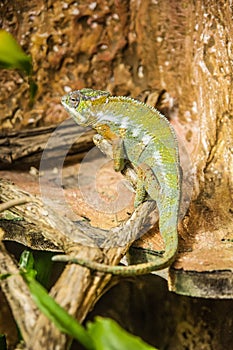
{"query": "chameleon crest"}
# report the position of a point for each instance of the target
(140, 134)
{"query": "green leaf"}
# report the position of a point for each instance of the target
(26, 264)
(13, 57)
(101, 334)
(11, 54)
(64, 322)
(107, 334)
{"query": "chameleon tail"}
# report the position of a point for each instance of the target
(170, 236)
(131, 270)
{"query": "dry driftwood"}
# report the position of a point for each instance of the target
(78, 288)
(22, 148)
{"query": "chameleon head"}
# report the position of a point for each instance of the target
(79, 102)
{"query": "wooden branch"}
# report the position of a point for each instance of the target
(78, 288)
(24, 148)
(13, 203)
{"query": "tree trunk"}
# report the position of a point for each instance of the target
(175, 55)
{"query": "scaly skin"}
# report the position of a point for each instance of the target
(142, 135)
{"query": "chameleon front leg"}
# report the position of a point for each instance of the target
(118, 154)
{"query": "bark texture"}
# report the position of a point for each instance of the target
(175, 55)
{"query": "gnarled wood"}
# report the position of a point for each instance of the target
(25, 148)
(83, 287)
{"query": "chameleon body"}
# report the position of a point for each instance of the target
(140, 134)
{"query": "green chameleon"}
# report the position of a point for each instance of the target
(139, 134)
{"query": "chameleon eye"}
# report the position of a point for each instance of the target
(74, 99)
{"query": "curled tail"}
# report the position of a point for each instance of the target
(168, 229)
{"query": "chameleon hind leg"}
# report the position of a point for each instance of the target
(147, 182)
(140, 188)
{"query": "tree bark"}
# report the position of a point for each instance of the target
(176, 55)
